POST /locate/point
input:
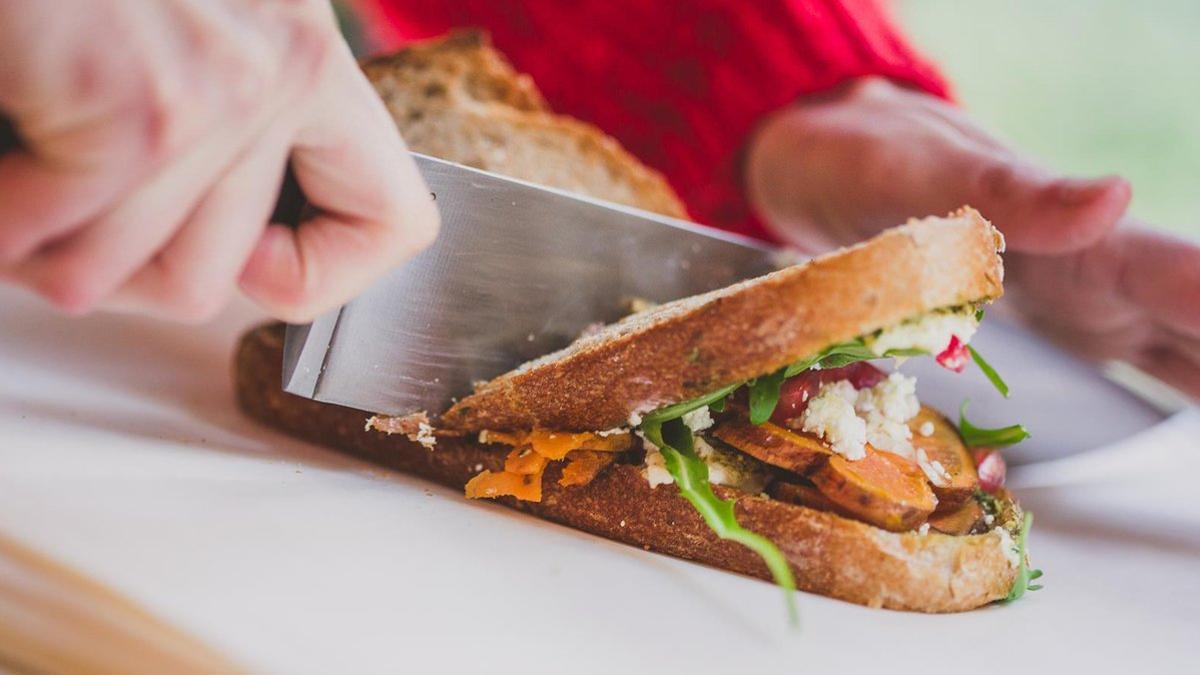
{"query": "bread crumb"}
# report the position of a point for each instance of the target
(924, 529)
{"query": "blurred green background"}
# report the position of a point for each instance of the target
(1088, 86)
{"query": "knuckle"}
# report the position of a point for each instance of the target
(996, 181)
(312, 35)
(868, 87)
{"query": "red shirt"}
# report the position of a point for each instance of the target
(680, 83)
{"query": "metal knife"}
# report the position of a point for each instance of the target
(517, 271)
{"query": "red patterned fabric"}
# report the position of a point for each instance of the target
(680, 83)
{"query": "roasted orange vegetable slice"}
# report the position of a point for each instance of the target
(946, 447)
(773, 444)
(960, 520)
(802, 494)
(883, 489)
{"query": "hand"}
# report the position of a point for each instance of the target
(154, 137)
(835, 169)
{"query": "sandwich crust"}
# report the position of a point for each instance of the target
(829, 554)
(693, 346)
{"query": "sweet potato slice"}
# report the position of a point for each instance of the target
(946, 447)
(774, 444)
(960, 520)
(883, 489)
(802, 494)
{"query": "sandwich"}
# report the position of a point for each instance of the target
(768, 428)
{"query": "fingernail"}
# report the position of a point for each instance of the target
(1077, 191)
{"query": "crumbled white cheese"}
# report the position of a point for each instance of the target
(988, 519)
(611, 432)
(924, 529)
(830, 415)
(724, 468)
(424, 436)
(635, 415)
(656, 467)
(698, 420)
(929, 332)
(1009, 547)
(926, 428)
(849, 419)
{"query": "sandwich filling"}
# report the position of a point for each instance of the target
(832, 432)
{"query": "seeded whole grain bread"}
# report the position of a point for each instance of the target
(458, 99)
(687, 348)
(829, 554)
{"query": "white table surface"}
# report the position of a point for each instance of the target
(122, 454)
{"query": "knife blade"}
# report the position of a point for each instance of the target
(518, 270)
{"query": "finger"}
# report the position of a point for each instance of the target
(375, 210)
(78, 272)
(1037, 211)
(42, 199)
(1160, 273)
(193, 276)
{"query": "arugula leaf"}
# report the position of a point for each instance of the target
(989, 371)
(718, 405)
(764, 396)
(1024, 574)
(978, 315)
(675, 442)
(680, 409)
(975, 436)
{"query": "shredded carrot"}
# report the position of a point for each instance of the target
(583, 466)
(525, 462)
(588, 454)
(556, 444)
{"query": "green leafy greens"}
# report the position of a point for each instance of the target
(764, 395)
(674, 440)
(1024, 574)
(975, 436)
(992, 376)
(680, 409)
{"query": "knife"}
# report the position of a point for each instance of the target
(518, 270)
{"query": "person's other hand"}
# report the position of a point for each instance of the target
(836, 169)
(154, 138)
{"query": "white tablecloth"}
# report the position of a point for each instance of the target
(122, 454)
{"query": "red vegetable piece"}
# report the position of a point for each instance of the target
(991, 467)
(954, 356)
(797, 390)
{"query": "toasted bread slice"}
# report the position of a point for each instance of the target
(693, 346)
(458, 99)
(829, 554)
